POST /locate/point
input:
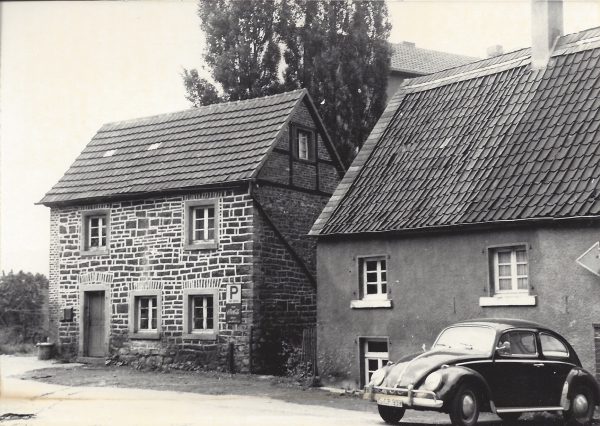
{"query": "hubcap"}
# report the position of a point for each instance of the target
(468, 406)
(580, 405)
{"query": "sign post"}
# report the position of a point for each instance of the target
(233, 304)
(590, 260)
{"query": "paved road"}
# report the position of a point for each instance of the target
(82, 406)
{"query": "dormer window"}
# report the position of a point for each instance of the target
(303, 143)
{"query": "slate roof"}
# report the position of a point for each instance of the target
(414, 60)
(208, 145)
(487, 142)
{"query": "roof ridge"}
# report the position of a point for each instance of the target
(436, 51)
(203, 108)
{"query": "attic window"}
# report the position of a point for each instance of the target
(109, 153)
(154, 146)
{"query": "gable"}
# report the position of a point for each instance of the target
(217, 144)
(488, 142)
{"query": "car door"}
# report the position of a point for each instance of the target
(517, 380)
(557, 365)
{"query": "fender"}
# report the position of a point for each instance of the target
(576, 377)
(455, 376)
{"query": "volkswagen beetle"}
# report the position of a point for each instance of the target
(504, 366)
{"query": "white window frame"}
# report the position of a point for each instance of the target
(514, 277)
(381, 357)
(514, 296)
(189, 297)
(380, 282)
(204, 228)
(152, 312)
(303, 138)
(135, 298)
(191, 207)
(87, 217)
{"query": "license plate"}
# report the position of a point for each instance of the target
(390, 402)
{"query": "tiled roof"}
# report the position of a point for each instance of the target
(487, 142)
(414, 60)
(209, 145)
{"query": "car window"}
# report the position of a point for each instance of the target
(518, 343)
(551, 346)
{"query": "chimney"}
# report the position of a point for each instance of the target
(408, 44)
(546, 27)
(494, 51)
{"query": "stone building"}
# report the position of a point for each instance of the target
(183, 237)
(476, 195)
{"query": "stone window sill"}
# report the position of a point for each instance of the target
(95, 253)
(145, 335)
(508, 300)
(370, 304)
(202, 246)
(200, 336)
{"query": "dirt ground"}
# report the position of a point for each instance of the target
(199, 382)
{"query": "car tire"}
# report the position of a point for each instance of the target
(464, 407)
(582, 406)
(391, 415)
(509, 417)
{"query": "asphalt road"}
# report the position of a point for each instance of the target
(81, 406)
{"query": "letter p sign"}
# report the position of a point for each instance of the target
(234, 293)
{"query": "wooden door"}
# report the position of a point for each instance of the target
(95, 324)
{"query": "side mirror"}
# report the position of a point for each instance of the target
(504, 348)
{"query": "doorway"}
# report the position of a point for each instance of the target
(94, 324)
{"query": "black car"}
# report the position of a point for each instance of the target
(505, 366)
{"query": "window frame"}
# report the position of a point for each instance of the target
(86, 217)
(362, 272)
(379, 300)
(522, 355)
(507, 297)
(311, 143)
(365, 356)
(188, 311)
(553, 354)
(514, 264)
(190, 207)
(135, 297)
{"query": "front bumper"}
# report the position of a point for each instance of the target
(408, 396)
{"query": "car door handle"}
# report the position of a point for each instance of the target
(538, 365)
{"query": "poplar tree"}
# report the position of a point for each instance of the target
(337, 50)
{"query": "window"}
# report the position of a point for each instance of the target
(201, 314)
(509, 277)
(553, 347)
(510, 270)
(95, 232)
(373, 283)
(201, 224)
(304, 146)
(145, 314)
(375, 356)
(518, 343)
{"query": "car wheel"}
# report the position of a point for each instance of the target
(509, 417)
(582, 406)
(391, 415)
(464, 407)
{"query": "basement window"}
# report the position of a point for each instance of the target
(145, 314)
(95, 235)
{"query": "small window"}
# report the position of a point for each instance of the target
(375, 356)
(373, 278)
(202, 224)
(145, 314)
(510, 270)
(201, 308)
(552, 347)
(95, 232)
(304, 146)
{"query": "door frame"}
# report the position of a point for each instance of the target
(83, 290)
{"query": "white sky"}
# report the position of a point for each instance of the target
(67, 68)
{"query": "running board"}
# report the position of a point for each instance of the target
(527, 409)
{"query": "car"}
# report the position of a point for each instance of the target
(504, 366)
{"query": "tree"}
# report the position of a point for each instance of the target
(21, 301)
(337, 50)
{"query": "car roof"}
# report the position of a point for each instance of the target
(502, 324)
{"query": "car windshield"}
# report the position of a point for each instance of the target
(474, 338)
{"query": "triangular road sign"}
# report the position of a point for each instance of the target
(590, 260)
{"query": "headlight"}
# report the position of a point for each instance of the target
(377, 377)
(433, 382)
